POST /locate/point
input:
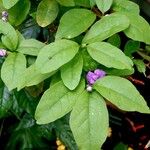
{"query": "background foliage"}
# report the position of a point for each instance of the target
(51, 45)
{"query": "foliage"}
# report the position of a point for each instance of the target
(51, 45)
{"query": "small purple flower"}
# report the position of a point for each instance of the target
(91, 81)
(90, 74)
(93, 76)
(2, 52)
(4, 14)
(100, 73)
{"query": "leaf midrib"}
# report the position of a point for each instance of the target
(49, 58)
(60, 99)
(109, 89)
(72, 26)
(114, 58)
(101, 39)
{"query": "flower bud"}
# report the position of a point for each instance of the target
(89, 88)
(4, 19)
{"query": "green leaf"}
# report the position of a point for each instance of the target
(30, 47)
(131, 47)
(1, 6)
(56, 78)
(139, 29)
(56, 102)
(119, 72)
(19, 12)
(2, 46)
(9, 3)
(71, 72)
(5, 100)
(148, 36)
(88, 62)
(84, 3)
(121, 146)
(30, 29)
(63, 132)
(122, 93)
(12, 69)
(147, 48)
(74, 22)
(55, 55)
(28, 135)
(32, 76)
(141, 67)
(92, 3)
(66, 2)
(9, 38)
(104, 5)
(89, 121)
(115, 40)
(46, 12)
(125, 6)
(106, 27)
(23, 101)
(109, 55)
(20, 37)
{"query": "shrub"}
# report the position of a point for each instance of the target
(70, 54)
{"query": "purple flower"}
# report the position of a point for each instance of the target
(2, 52)
(4, 14)
(91, 81)
(90, 74)
(100, 73)
(93, 76)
